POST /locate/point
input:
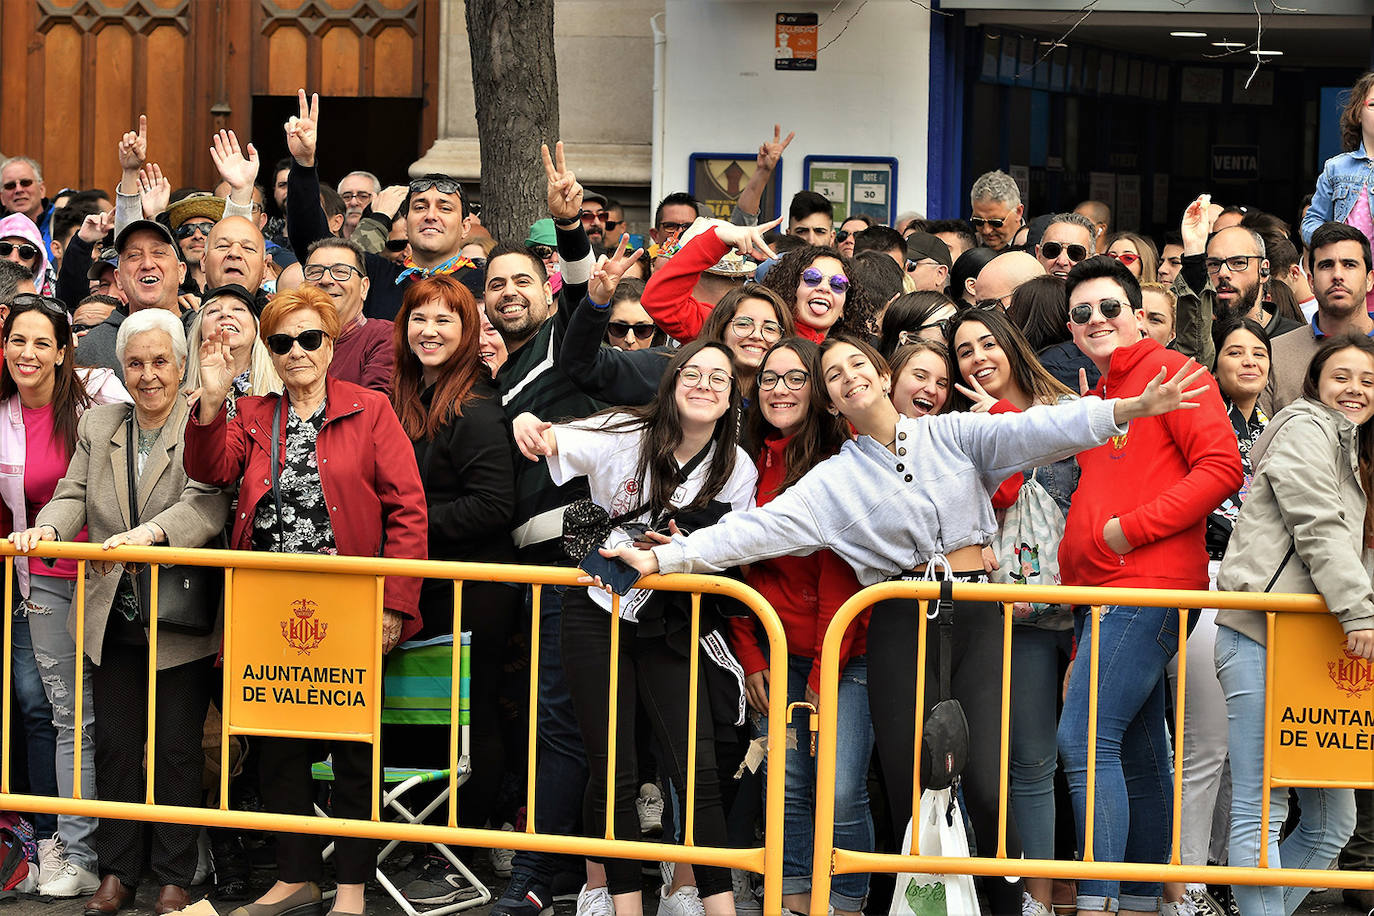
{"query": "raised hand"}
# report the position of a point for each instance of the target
(388, 201)
(302, 129)
(1196, 224)
(154, 189)
(133, 147)
(606, 277)
(770, 153)
(982, 401)
(96, 226)
(748, 239)
(236, 169)
(216, 374)
(565, 194)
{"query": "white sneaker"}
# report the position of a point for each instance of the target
(71, 881)
(29, 883)
(595, 901)
(502, 859)
(746, 901)
(52, 855)
(682, 902)
(1032, 907)
(649, 807)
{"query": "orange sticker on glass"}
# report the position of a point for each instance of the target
(300, 652)
(1322, 715)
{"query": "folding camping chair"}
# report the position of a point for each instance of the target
(417, 688)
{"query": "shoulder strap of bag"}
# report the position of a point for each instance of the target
(683, 473)
(1282, 563)
(276, 473)
(946, 622)
(131, 458)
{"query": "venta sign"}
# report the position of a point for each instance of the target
(1235, 163)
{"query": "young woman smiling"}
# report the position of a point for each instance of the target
(675, 458)
(1302, 529)
(920, 378)
(44, 395)
(448, 406)
(1001, 375)
(791, 431)
(887, 514)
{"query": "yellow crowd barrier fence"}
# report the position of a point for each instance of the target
(1307, 669)
(319, 619)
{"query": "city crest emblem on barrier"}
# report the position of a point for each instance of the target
(1351, 673)
(301, 633)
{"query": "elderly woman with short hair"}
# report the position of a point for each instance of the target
(169, 509)
(347, 484)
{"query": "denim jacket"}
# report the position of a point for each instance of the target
(1338, 187)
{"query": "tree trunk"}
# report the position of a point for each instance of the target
(515, 81)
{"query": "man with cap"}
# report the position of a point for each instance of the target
(192, 218)
(594, 218)
(437, 221)
(927, 262)
(149, 275)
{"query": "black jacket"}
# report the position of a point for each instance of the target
(626, 377)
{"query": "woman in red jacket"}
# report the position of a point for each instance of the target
(346, 483)
(791, 432)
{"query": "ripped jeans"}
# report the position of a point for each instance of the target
(54, 649)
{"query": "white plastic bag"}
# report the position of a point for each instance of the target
(942, 834)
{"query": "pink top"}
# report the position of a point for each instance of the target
(45, 464)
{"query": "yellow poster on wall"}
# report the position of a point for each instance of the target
(1322, 714)
(302, 654)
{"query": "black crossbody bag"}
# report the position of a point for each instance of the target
(188, 597)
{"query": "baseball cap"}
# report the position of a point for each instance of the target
(542, 233)
(138, 225)
(233, 290)
(110, 259)
(922, 245)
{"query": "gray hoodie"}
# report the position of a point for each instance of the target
(885, 513)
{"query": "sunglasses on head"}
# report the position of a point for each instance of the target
(281, 344)
(623, 329)
(1127, 258)
(1051, 250)
(26, 251)
(21, 183)
(186, 230)
(26, 301)
(813, 277)
(1083, 312)
(542, 252)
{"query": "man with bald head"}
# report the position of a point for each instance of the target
(1221, 276)
(149, 275)
(1100, 215)
(1000, 277)
(235, 253)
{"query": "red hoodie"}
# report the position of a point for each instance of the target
(805, 591)
(1161, 479)
(668, 295)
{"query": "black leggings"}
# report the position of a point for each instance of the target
(655, 676)
(976, 682)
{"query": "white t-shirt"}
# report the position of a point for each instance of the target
(609, 460)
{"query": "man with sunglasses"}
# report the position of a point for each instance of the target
(1000, 277)
(615, 225)
(1067, 239)
(997, 209)
(674, 216)
(192, 217)
(594, 218)
(436, 212)
(927, 262)
(1221, 276)
(22, 190)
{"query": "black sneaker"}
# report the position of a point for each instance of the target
(438, 882)
(524, 896)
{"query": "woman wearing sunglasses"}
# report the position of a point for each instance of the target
(792, 432)
(324, 467)
(22, 243)
(629, 327)
(1136, 253)
(902, 493)
(44, 395)
(1000, 374)
(673, 459)
(924, 315)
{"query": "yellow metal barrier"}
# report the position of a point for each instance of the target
(766, 860)
(829, 860)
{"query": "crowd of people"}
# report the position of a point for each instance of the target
(810, 404)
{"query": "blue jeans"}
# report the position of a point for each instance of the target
(1035, 655)
(560, 777)
(853, 817)
(35, 713)
(1328, 815)
(54, 650)
(1134, 788)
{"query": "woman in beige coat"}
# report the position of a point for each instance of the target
(172, 510)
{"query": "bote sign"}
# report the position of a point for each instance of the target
(1322, 711)
(301, 653)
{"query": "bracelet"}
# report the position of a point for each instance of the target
(567, 223)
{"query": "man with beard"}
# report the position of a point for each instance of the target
(1234, 262)
(1339, 263)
